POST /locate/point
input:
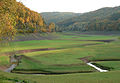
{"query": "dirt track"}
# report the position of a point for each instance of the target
(45, 49)
(29, 50)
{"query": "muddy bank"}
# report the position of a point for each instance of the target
(3, 67)
(28, 51)
(85, 59)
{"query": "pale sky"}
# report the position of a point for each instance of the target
(78, 6)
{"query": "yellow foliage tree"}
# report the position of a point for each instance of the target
(51, 27)
(7, 30)
(7, 19)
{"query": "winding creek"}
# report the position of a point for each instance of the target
(99, 69)
(10, 68)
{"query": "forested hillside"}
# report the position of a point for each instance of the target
(7, 18)
(105, 19)
(15, 17)
(28, 20)
(58, 16)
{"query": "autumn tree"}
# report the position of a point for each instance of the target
(7, 19)
(51, 27)
(29, 21)
(15, 17)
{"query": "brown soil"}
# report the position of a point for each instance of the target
(43, 49)
(29, 50)
(3, 68)
(85, 59)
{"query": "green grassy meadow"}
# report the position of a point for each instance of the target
(64, 64)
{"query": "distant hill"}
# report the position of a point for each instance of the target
(91, 20)
(58, 16)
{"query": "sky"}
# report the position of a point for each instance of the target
(77, 6)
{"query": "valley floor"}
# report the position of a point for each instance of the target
(62, 58)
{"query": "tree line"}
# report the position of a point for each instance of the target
(104, 19)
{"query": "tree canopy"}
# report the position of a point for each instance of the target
(15, 17)
(104, 19)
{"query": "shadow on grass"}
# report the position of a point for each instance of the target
(40, 71)
(107, 60)
(103, 67)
